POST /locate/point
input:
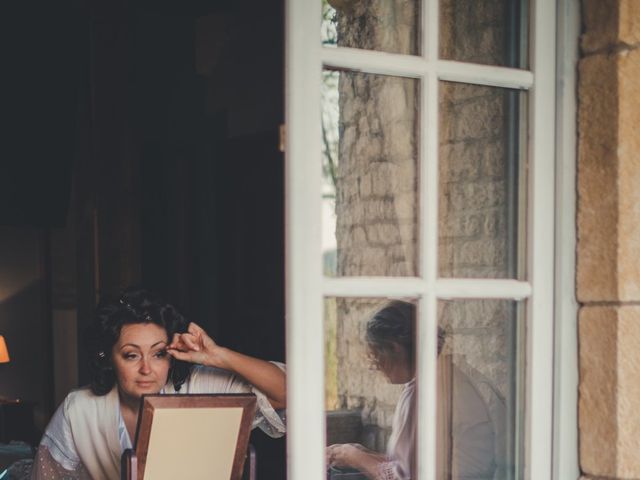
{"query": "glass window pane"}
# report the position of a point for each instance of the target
(481, 182)
(481, 377)
(370, 383)
(392, 27)
(491, 32)
(370, 163)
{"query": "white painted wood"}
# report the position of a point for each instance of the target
(411, 287)
(540, 312)
(396, 287)
(565, 439)
(412, 66)
(305, 365)
(426, 387)
(485, 288)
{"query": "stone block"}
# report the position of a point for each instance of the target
(629, 22)
(608, 175)
(462, 225)
(609, 391)
(481, 118)
(600, 19)
(629, 176)
(597, 179)
(609, 24)
(460, 161)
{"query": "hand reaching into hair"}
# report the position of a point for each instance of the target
(196, 346)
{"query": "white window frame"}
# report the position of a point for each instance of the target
(306, 286)
(565, 424)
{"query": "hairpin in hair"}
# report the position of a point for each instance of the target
(101, 354)
(126, 304)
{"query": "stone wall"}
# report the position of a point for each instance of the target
(608, 275)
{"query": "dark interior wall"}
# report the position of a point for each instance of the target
(207, 110)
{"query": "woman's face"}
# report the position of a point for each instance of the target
(140, 359)
(393, 361)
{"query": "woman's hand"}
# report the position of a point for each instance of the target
(196, 346)
(343, 455)
(354, 455)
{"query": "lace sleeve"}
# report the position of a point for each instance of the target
(46, 468)
(269, 420)
(391, 470)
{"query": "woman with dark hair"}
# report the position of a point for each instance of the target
(141, 345)
(390, 335)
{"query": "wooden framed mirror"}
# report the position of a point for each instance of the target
(200, 437)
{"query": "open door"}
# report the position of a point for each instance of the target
(420, 168)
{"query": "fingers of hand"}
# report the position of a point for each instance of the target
(336, 455)
(195, 329)
(192, 341)
(184, 342)
(187, 356)
(329, 455)
(175, 341)
(177, 354)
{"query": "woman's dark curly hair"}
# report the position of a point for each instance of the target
(135, 305)
(396, 323)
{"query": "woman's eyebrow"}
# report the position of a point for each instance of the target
(138, 346)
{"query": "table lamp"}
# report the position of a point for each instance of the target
(4, 352)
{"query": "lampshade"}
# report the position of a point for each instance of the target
(4, 352)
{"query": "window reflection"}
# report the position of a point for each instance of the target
(491, 32)
(481, 208)
(381, 25)
(372, 412)
(480, 393)
(370, 166)
(371, 427)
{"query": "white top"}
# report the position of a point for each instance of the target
(473, 434)
(61, 448)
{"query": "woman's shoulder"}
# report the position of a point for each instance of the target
(84, 398)
(80, 394)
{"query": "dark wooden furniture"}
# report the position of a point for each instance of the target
(200, 437)
(16, 421)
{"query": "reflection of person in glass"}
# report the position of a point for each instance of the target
(465, 442)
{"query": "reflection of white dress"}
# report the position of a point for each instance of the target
(472, 434)
(87, 435)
